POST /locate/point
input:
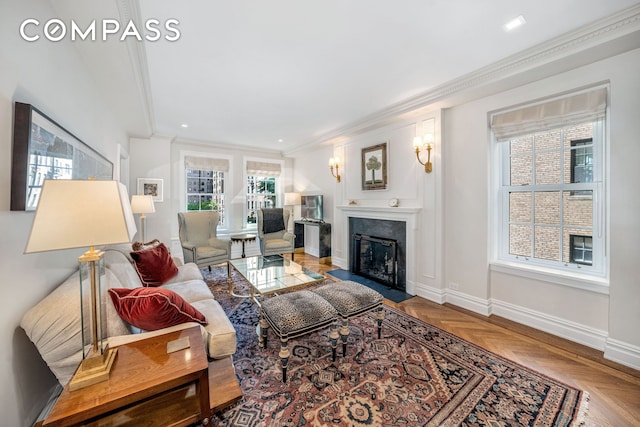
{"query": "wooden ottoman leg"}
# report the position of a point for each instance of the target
(284, 356)
(264, 328)
(333, 335)
(380, 318)
(344, 335)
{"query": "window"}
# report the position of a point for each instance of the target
(261, 193)
(262, 187)
(205, 184)
(550, 188)
(205, 191)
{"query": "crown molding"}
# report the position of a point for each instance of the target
(609, 29)
(130, 10)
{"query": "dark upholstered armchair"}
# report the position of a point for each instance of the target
(272, 230)
(199, 240)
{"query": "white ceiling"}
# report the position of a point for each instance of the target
(256, 72)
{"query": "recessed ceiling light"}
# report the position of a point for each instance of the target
(514, 23)
(184, 125)
(281, 140)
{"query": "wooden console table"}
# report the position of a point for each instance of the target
(146, 386)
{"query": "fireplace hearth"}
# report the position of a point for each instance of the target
(377, 250)
(376, 258)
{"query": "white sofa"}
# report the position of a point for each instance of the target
(54, 324)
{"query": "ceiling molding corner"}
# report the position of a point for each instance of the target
(130, 10)
(599, 32)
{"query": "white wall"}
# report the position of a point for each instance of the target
(455, 199)
(407, 182)
(161, 157)
(53, 78)
(608, 322)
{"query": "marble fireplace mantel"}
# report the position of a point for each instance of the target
(409, 215)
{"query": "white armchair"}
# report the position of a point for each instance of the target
(273, 234)
(199, 241)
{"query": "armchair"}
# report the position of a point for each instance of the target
(272, 230)
(199, 241)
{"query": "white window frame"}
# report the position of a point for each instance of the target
(223, 218)
(222, 228)
(278, 188)
(595, 277)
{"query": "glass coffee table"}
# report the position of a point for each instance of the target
(268, 275)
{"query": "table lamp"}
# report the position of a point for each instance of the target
(75, 214)
(142, 204)
(292, 199)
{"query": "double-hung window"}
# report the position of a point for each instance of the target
(550, 190)
(262, 187)
(205, 184)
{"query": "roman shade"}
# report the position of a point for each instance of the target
(206, 163)
(263, 169)
(581, 107)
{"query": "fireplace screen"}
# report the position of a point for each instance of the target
(376, 258)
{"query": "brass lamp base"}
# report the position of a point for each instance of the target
(93, 369)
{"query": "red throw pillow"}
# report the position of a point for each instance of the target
(154, 265)
(153, 308)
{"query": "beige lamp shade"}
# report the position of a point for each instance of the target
(292, 199)
(142, 204)
(81, 213)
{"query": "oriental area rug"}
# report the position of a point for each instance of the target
(415, 375)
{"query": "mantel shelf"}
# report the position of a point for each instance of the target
(384, 209)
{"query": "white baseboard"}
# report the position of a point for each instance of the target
(591, 337)
(340, 262)
(469, 302)
(436, 295)
(623, 353)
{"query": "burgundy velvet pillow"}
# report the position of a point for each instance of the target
(153, 308)
(154, 265)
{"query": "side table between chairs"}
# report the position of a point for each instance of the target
(243, 238)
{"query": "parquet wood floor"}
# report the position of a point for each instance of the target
(614, 389)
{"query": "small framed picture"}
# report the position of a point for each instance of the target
(151, 187)
(374, 167)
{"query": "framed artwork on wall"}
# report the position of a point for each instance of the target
(151, 187)
(374, 167)
(42, 149)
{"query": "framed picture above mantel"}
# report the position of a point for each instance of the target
(42, 149)
(374, 167)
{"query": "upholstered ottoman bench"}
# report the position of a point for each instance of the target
(295, 314)
(351, 299)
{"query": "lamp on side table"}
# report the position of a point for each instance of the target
(75, 214)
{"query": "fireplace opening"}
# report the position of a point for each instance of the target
(376, 258)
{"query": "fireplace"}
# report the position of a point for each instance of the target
(376, 258)
(377, 249)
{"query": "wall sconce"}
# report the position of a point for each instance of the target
(333, 163)
(426, 141)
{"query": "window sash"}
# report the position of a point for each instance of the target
(597, 268)
(205, 196)
(252, 203)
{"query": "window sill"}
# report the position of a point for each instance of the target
(574, 280)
